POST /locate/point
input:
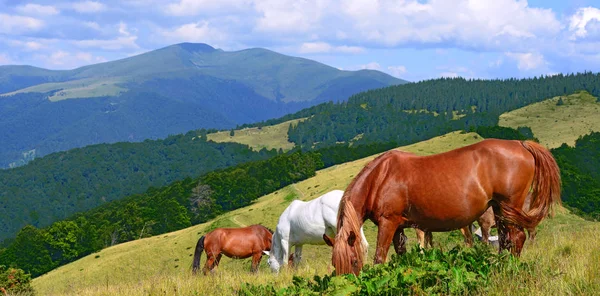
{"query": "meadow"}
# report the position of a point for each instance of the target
(554, 124)
(269, 137)
(564, 259)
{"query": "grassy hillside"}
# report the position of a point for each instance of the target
(553, 124)
(169, 255)
(272, 136)
(564, 260)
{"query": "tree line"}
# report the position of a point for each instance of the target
(60, 184)
(417, 111)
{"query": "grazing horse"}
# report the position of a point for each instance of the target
(237, 243)
(304, 223)
(446, 191)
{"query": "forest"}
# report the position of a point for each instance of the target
(417, 111)
(63, 183)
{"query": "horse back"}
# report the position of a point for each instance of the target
(238, 242)
(455, 186)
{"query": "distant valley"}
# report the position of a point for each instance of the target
(166, 91)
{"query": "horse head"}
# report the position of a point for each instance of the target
(272, 261)
(347, 253)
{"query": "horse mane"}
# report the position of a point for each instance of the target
(349, 222)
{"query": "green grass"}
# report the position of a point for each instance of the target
(554, 125)
(273, 136)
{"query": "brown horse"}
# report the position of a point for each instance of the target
(446, 191)
(237, 243)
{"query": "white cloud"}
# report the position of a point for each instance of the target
(371, 66)
(195, 32)
(92, 25)
(4, 59)
(449, 74)
(123, 29)
(527, 61)
(66, 60)
(16, 24)
(396, 71)
(88, 7)
(323, 47)
(290, 15)
(464, 23)
(582, 20)
(27, 45)
(194, 7)
(37, 9)
(123, 42)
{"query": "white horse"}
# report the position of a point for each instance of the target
(305, 223)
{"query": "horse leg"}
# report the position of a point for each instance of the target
(468, 235)
(385, 234)
(429, 239)
(210, 262)
(420, 238)
(297, 256)
(485, 231)
(285, 250)
(217, 260)
(256, 261)
(532, 232)
(400, 241)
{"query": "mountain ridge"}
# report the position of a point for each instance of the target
(166, 91)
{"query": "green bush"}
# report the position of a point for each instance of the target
(14, 281)
(459, 271)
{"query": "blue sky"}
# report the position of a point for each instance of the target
(414, 40)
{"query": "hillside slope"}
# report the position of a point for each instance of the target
(166, 91)
(554, 123)
(156, 256)
(161, 264)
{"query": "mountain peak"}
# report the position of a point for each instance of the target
(196, 47)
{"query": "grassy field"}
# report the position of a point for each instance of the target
(82, 88)
(273, 136)
(554, 125)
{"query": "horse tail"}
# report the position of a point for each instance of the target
(545, 189)
(197, 254)
(546, 181)
(348, 235)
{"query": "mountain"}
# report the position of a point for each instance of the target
(166, 91)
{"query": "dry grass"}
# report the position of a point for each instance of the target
(273, 136)
(554, 125)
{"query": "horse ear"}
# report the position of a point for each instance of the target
(351, 238)
(328, 240)
(267, 253)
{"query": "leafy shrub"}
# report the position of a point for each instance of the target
(418, 272)
(14, 281)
